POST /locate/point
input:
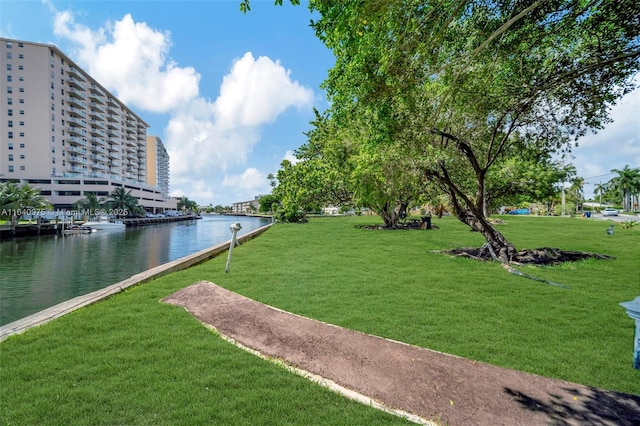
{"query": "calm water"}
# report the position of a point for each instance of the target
(39, 272)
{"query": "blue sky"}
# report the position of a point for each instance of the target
(231, 94)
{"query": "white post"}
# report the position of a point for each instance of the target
(234, 230)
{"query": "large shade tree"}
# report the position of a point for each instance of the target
(470, 82)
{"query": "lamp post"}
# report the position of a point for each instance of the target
(234, 231)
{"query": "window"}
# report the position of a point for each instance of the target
(22, 156)
(8, 67)
(10, 169)
(21, 101)
(10, 112)
(21, 112)
(10, 157)
(10, 135)
(20, 55)
(21, 78)
(9, 101)
(20, 44)
(23, 168)
(22, 123)
(9, 89)
(21, 68)
(22, 134)
(10, 123)
(9, 79)
(8, 45)
(21, 145)
(21, 90)
(8, 55)
(10, 146)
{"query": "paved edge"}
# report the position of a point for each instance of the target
(64, 308)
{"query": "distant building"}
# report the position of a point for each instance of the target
(64, 133)
(246, 207)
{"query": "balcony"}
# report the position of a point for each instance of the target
(98, 157)
(114, 133)
(98, 166)
(97, 148)
(76, 102)
(113, 117)
(77, 93)
(76, 159)
(76, 131)
(76, 140)
(113, 154)
(97, 115)
(97, 132)
(77, 150)
(95, 89)
(78, 169)
(74, 72)
(97, 107)
(97, 123)
(77, 121)
(74, 82)
(77, 112)
(97, 141)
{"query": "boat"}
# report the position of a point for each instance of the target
(77, 229)
(103, 223)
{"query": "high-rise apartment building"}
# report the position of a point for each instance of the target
(61, 131)
(157, 164)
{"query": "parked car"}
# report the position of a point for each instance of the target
(609, 212)
(520, 211)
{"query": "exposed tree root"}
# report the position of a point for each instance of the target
(541, 256)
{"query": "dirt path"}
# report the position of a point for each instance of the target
(432, 385)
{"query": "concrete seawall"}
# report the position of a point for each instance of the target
(71, 305)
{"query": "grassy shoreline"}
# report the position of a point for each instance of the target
(133, 360)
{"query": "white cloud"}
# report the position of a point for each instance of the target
(250, 180)
(617, 145)
(291, 157)
(131, 59)
(256, 91)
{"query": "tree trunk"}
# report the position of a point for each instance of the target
(502, 248)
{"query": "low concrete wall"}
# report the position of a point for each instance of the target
(71, 305)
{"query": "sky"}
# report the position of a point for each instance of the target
(230, 94)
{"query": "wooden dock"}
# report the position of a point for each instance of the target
(55, 227)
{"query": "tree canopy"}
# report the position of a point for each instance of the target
(463, 85)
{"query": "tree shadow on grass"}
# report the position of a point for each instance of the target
(596, 407)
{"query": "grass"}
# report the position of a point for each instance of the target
(132, 360)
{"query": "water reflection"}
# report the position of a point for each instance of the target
(39, 272)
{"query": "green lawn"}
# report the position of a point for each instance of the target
(133, 360)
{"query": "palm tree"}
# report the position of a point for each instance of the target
(186, 204)
(122, 202)
(600, 189)
(627, 184)
(576, 190)
(91, 203)
(14, 199)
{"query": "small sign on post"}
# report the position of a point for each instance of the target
(633, 310)
(234, 231)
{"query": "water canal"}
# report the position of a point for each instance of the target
(39, 272)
